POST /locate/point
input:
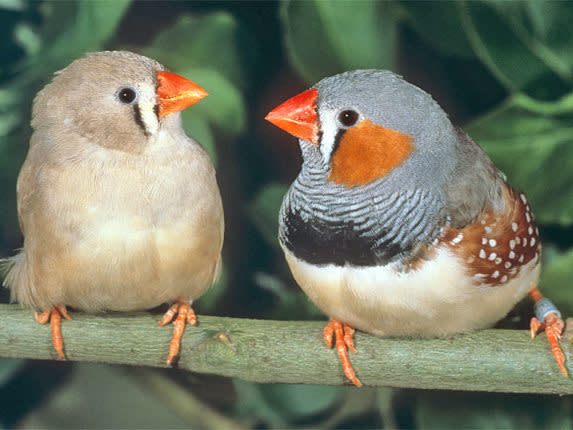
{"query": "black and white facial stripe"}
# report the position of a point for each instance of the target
(139, 120)
(130, 96)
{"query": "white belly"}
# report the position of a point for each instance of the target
(438, 299)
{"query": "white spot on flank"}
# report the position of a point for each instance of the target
(483, 240)
(481, 253)
(498, 260)
(512, 244)
(504, 278)
(523, 198)
(487, 229)
(507, 264)
(492, 242)
(517, 240)
(492, 256)
(530, 230)
(514, 226)
(458, 238)
(480, 275)
(532, 242)
(521, 258)
(483, 221)
(537, 231)
(495, 274)
(527, 217)
(511, 254)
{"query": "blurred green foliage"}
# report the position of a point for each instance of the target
(502, 70)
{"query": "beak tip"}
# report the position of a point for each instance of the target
(297, 116)
(177, 93)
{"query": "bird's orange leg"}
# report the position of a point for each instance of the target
(548, 318)
(342, 334)
(185, 314)
(55, 315)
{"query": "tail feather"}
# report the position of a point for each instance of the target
(13, 270)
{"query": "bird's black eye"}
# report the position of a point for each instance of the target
(127, 95)
(348, 117)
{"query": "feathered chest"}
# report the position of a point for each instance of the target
(357, 227)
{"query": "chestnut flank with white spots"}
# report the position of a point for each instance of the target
(496, 246)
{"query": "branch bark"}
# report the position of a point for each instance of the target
(294, 352)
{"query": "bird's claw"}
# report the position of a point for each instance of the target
(55, 315)
(553, 327)
(342, 336)
(185, 314)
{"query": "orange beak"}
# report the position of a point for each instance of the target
(298, 116)
(176, 93)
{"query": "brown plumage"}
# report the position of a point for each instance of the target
(120, 210)
(497, 245)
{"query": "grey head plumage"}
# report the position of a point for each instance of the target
(446, 178)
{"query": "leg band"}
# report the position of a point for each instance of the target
(544, 307)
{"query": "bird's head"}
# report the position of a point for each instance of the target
(117, 99)
(366, 125)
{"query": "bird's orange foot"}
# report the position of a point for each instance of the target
(55, 315)
(342, 335)
(185, 314)
(552, 324)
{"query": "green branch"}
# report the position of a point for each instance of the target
(294, 352)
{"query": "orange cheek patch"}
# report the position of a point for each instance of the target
(367, 152)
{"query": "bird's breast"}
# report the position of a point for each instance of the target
(135, 234)
(360, 228)
(437, 299)
(320, 240)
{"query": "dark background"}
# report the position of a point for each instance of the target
(502, 70)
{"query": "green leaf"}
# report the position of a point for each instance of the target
(197, 127)
(439, 23)
(209, 42)
(520, 42)
(224, 108)
(17, 5)
(27, 37)
(440, 410)
(536, 153)
(252, 403)
(209, 301)
(384, 400)
(8, 366)
(556, 278)
(299, 401)
(291, 302)
(328, 37)
(264, 211)
(70, 30)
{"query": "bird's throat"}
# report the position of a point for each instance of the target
(368, 152)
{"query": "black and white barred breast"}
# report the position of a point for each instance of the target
(322, 223)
